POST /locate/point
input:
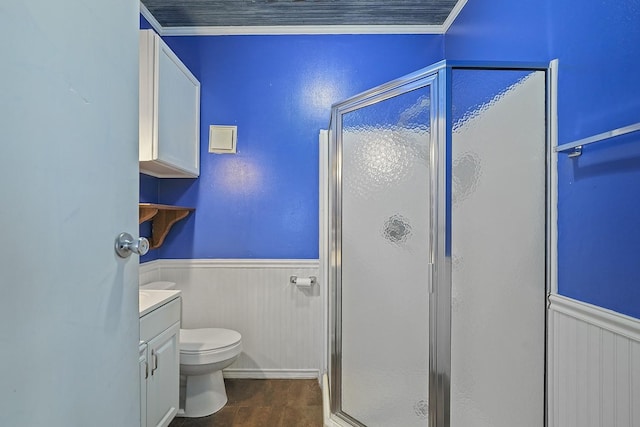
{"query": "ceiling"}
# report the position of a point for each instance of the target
(309, 13)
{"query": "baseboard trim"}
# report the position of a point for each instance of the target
(271, 373)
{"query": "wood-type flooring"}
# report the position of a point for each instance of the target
(265, 403)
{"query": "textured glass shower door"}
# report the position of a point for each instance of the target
(498, 287)
(437, 250)
(383, 255)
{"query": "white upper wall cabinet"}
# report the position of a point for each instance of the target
(169, 112)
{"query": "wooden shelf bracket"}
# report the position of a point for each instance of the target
(162, 218)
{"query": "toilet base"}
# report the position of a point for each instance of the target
(203, 395)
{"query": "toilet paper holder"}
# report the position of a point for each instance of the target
(303, 282)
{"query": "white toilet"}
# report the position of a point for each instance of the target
(204, 353)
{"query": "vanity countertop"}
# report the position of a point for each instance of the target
(150, 299)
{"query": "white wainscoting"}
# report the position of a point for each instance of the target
(594, 366)
(281, 325)
(149, 272)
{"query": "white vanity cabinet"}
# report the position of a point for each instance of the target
(144, 374)
(169, 131)
(160, 358)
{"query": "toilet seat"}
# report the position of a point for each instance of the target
(208, 345)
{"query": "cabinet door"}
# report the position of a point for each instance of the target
(144, 373)
(164, 376)
(178, 113)
(169, 112)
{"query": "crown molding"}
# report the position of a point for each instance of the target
(152, 19)
(453, 15)
(302, 30)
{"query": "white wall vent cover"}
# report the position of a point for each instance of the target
(222, 139)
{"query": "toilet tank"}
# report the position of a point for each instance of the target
(159, 285)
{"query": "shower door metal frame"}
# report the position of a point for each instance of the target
(435, 78)
(551, 74)
(438, 76)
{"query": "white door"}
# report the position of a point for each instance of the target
(68, 185)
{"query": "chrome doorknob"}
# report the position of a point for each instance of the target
(126, 244)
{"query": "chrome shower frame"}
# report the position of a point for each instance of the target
(438, 76)
(429, 77)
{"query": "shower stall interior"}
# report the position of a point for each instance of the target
(436, 249)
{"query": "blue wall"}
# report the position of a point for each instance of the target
(598, 46)
(263, 201)
(148, 194)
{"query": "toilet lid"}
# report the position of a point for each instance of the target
(207, 339)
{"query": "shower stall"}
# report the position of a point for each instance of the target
(436, 249)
